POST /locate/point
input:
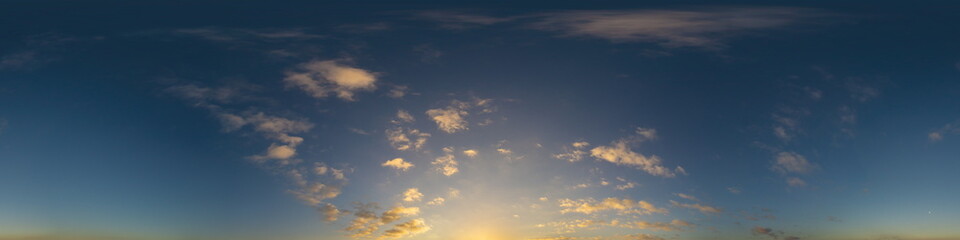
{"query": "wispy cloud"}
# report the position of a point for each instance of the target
(938, 134)
(707, 28)
(699, 207)
(588, 206)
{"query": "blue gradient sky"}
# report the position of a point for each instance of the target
(703, 120)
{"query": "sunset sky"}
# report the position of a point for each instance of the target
(508, 120)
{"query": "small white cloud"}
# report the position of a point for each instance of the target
(398, 163)
(412, 195)
(436, 201)
(470, 153)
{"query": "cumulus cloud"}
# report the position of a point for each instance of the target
(398, 163)
(323, 78)
(412, 195)
(702, 208)
(470, 153)
(704, 28)
(404, 139)
(620, 153)
(446, 164)
(405, 229)
(398, 212)
(589, 206)
(366, 222)
(330, 212)
(450, 119)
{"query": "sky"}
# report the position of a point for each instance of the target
(498, 120)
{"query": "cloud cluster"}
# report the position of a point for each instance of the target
(366, 222)
(322, 78)
(404, 139)
(412, 195)
(408, 228)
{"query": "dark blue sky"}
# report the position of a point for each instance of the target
(496, 120)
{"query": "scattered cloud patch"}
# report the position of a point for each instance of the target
(573, 153)
(404, 139)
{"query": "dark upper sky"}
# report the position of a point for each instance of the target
(470, 120)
